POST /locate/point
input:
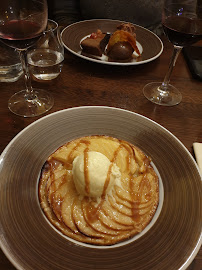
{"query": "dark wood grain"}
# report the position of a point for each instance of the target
(85, 83)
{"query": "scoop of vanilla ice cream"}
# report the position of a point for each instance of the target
(95, 174)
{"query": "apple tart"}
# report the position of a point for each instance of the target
(99, 190)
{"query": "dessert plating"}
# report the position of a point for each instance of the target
(101, 211)
(118, 46)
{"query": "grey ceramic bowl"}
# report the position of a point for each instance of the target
(31, 243)
(150, 44)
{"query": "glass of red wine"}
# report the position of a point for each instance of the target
(22, 22)
(182, 24)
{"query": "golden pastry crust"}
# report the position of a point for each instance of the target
(117, 216)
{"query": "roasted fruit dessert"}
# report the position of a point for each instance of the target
(118, 46)
(122, 43)
(99, 190)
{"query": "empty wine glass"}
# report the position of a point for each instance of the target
(21, 24)
(182, 25)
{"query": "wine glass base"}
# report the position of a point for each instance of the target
(155, 94)
(22, 105)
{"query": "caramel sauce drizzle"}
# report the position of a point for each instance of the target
(70, 159)
(110, 168)
(107, 180)
(136, 196)
(76, 147)
(145, 183)
(92, 212)
(86, 172)
(55, 201)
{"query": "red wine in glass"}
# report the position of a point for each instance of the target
(22, 22)
(182, 24)
(20, 34)
(182, 31)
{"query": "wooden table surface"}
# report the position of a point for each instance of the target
(86, 83)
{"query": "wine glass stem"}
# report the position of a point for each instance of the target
(29, 90)
(176, 52)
